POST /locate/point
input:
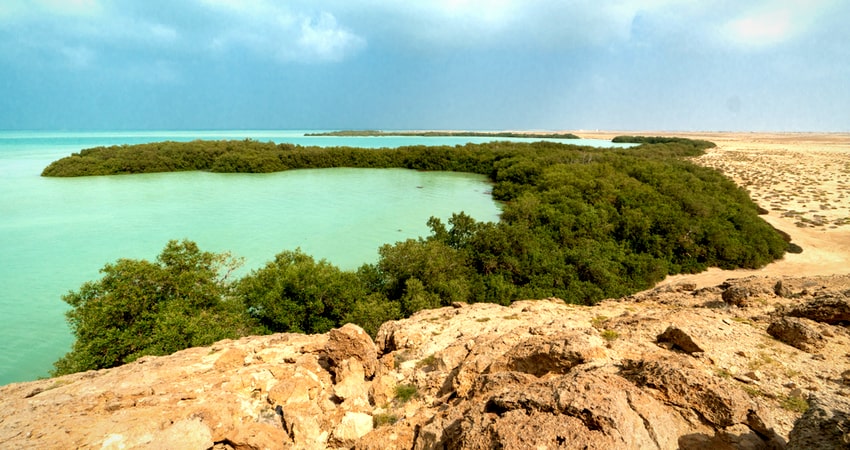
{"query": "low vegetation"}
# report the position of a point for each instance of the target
(501, 134)
(406, 392)
(579, 223)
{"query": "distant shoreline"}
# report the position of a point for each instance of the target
(504, 134)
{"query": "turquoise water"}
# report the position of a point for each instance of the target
(56, 233)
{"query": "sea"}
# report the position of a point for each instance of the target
(57, 233)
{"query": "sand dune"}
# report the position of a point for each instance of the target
(802, 179)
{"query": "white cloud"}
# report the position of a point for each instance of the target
(264, 28)
(766, 28)
(325, 40)
(771, 23)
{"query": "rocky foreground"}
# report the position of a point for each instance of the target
(755, 363)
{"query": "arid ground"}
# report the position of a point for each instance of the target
(802, 179)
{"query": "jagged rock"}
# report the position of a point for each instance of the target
(350, 341)
(736, 296)
(797, 332)
(757, 422)
(353, 426)
(230, 359)
(679, 339)
(824, 426)
(534, 374)
(580, 409)
(395, 436)
(540, 355)
(478, 359)
(381, 389)
(831, 309)
(350, 386)
(687, 286)
(186, 433)
(781, 290)
(681, 383)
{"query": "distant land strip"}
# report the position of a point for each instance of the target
(250, 156)
(502, 134)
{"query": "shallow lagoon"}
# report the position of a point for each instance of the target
(57, 233)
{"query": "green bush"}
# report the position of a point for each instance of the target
(578, 223)
(144, 308)
(406, 392)
(294, 293)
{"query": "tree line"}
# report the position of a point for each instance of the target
(578, 223)
(487, 134)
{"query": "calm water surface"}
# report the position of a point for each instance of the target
(56, 233)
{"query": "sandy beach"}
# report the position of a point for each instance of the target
(802, 179)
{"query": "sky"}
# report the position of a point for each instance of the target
(677, 65)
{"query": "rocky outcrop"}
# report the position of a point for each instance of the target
(800, 333)
(678, 338)
(833, 308)
(737, 295)
(672, 367)
(824, 426)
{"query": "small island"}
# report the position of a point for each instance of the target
(495, 134)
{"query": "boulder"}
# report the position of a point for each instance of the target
(831, 309)
(736, 296)
(580, 409)
(680, 339)
(798, 333)
(824, 426)
(352, 427)
(540, 355)
(781, 290)
(350, 385)
(350, 341)
(679, 382)
(399, 435)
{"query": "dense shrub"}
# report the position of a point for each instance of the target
(578, 223)
(139, 308)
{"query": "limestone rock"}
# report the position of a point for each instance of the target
(687, 286)
(577, 410)
(796, 332)
(831, 309)
(352, 427)
(350, 341)
(781, 290)
(824, 426)
(679, 339)
(737, 296)
(540, 355)
(531, 375)
(681, 383)
(399, 435)
(230, 359)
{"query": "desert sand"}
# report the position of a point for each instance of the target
(802, 179)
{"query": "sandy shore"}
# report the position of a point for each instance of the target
(802, 179)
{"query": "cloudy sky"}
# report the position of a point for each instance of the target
(751, 65)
